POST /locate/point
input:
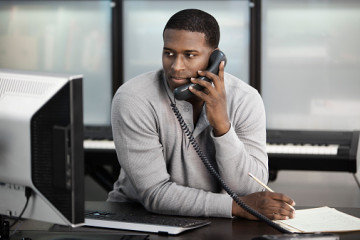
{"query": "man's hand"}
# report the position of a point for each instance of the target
(273, 205)
(214, 96)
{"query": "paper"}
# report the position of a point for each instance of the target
(322, 219)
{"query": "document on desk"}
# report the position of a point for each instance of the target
(321, 219)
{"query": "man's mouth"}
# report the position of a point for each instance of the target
(180, 80)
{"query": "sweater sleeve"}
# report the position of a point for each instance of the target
(243, 148)
(141, 157)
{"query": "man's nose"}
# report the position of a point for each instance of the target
(178, 64)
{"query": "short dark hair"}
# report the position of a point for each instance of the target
(195, 20)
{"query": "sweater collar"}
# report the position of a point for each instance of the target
(185, 108)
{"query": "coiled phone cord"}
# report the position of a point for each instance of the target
(215, 174)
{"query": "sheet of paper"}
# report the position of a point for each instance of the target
(322, 219)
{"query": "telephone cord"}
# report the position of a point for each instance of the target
(216, 175)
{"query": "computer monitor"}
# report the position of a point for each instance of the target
(41, 146)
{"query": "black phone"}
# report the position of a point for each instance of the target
(216, 57)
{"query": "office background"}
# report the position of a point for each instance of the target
(303, 56)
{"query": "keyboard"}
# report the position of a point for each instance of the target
(313, 150)
(98, 138)
(287, 149)
(305, 149)
(132, 216)
(91, 144)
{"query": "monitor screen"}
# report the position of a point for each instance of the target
(41, 146)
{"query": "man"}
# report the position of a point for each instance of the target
(159, 167)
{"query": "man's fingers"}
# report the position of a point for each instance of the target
(221, 70)
(285, 211)
(283, 198)
(203, 94)
(279, 204)
(217, 79)
(277, 216)
(201, 82)
(279, 213)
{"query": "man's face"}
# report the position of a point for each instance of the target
(184, 53)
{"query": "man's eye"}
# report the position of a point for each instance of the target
(169, 54)
(190, 55)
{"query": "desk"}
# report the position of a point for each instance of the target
(220, 228)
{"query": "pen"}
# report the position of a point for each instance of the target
(261, 183)
(266, 187)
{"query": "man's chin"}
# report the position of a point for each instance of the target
(175, 83)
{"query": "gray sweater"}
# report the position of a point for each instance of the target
(160, 168)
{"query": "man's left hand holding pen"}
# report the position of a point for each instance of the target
(275, 206)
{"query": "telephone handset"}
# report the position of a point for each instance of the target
(216, 57)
